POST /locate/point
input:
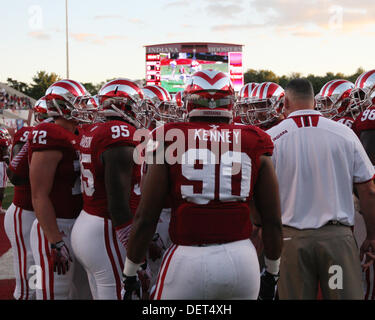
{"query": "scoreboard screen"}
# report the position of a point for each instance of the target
(171, 68)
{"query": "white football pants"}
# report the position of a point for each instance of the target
(102, 255)
(17, 224)
(212, 272)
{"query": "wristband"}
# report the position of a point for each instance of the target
(131, 268)
(272, 266)
(58, 245)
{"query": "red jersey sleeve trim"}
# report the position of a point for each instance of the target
(373, 178)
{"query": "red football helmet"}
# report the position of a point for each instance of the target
(4, 134)
(40, 110)
(363, 94)
(242, 104)
(209, 93)
(61, 97)
(245, 91)
(123, 98)
(334, 98)
(160, 104)
(265, 103)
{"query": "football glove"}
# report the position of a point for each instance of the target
(60, 257)
(268, 285)
(131, 288)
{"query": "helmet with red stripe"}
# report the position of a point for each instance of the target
(363, 94)
(5, 136)
(61, 97)
(242, 104)
(160, 104)
(245, 91)
(40, 110)
(123, 98)
(266, 102)
(209, 93)
(334, 98)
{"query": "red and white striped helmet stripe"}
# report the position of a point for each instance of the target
(247, 89)
(336, 87)
(267, 90)
(156, 92)
(209, 80)
(62, 87)
(123, 88)
(366, 80)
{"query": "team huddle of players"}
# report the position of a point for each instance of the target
(78, 183)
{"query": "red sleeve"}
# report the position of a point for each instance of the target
(264, 144)
(19, 164)
(21, 135)
(115, 134)
(50, 136)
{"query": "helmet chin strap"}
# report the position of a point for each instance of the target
(126, 117)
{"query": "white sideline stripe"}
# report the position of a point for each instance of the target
(6, 266)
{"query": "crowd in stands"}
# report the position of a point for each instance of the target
(14, 102)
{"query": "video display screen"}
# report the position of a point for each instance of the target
(177, 68)
(171, 68)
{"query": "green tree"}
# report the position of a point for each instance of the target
(41, 81)
(92, 88)
(260, 76)
(20, 86)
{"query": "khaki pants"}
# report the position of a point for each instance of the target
(327, 256)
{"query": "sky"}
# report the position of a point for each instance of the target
(107, 37)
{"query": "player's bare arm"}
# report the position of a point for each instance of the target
(366, 193)
(42, 171)
(267, 201)
(154, 193)
(118, 163)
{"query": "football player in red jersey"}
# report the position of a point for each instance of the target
(5, 140)
(217, 168)
(56, 192)
(363, 95)
(161, 107)
(111, 186)
(334, 101)
(20, 216)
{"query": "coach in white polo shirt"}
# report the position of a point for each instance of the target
(317, 162)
